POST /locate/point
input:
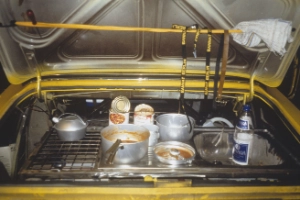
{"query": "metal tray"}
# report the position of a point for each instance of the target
(55, 159)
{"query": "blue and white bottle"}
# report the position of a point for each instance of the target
(243, 137)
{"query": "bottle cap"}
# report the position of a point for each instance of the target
(246, 107)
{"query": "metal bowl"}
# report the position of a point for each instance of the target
(174, 153)
(175, 127)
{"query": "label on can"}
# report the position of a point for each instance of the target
(118, 118)
(143, 114)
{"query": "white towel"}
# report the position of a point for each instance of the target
(274, 32)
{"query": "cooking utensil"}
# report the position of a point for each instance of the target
(175, 127)
(69, 127)
(134, 141)
(111, 152)
(174, 153)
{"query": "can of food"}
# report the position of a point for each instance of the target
(120, 104)
(143, 114)
(118, 118)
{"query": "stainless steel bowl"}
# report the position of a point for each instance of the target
(174, 153)
(175, 127)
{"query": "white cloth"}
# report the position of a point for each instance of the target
(274, 32)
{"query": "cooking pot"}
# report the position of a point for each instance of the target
(175, 127)
(174, 153)
(134, 142)
(69, 127)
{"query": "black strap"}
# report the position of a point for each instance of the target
(207, 67)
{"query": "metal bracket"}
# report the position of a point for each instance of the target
(32, 62)
(221, 101)
(29, 54)
(168, 183)
(237, 100)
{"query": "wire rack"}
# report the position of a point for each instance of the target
(66, 156)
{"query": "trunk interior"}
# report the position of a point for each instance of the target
(43, 157)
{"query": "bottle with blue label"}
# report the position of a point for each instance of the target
(243, 137)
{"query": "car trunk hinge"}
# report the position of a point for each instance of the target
(32, 62)
(251, 92)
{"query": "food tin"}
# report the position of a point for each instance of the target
(119, 111)
(118, 118)
(120, 104)
(143, 114)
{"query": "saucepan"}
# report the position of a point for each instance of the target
(128, 140)
(175, 127)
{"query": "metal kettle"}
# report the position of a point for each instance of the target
(69, 127)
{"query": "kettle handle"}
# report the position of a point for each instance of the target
(57, 119)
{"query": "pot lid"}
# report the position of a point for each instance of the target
(28, 51)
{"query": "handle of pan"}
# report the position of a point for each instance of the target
(111, 152)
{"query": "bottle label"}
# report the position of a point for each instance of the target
(243, 124)
(240, 153)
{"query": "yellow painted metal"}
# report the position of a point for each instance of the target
(173, 183)
(175, 191)
(168, 183)
(289, 110)
(114, 28)
(13, 92)
(166, 70)
(171, 83)
(77, 192)
(155, 70)
(149, 178)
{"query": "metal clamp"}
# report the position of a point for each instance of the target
(12, 23)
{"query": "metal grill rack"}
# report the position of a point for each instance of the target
(54, 154)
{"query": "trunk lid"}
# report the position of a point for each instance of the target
(27, 52)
